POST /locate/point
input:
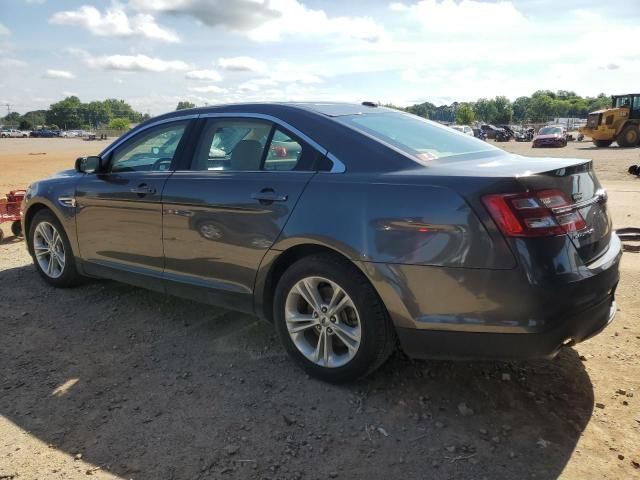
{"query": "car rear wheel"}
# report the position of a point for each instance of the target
(629, 137)
(51, 251)
(602, 143)
(331, 320)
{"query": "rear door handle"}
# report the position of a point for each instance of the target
(143, 189)
(268, 195)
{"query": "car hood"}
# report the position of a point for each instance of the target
(547, 136)
(65, 173)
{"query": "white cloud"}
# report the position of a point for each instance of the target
(208, 89)
(136, 63)
(268, 20)
(236, 15)
(59, 74)
(297, 19)
(12, 63)
(466, 16)
(242, 64)
(4, 31)
(114, 22)
(210, 75)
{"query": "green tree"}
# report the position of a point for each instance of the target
(465, 114)
(36, 118)
(485, 109)
(503, 112)
(184, 105)
(65, 113)
(11, 120)
(119, 124)
(521, 109)
(541, 107)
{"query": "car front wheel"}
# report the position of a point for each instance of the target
(51, 251)
(331, 320)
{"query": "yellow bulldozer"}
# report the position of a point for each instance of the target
(620, 123)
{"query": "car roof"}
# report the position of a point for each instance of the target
(328, 109)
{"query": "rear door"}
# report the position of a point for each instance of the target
(225, 211)
(119, 219)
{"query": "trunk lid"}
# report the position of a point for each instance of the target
(575, 177)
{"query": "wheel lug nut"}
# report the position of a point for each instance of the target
(315, 314)
(329, 330)
(324, 309)
(333, 319)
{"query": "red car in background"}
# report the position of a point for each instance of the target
(550, 137)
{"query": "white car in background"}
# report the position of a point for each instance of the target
(12, 133)
(466, 129)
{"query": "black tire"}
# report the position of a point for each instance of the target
(1, 235)
(16, 228)
(377, 333)
(69, 276)
(602, 143)
(629, 136)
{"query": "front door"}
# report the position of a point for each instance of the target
(119, 219)
(224, 213)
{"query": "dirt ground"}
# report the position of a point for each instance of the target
(116, 382)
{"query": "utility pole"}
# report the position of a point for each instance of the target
(8, 105)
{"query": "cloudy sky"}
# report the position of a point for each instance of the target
(154, 53)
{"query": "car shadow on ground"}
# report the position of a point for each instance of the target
(151, 387)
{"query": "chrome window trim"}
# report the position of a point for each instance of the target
(338, 166)
(135, 131)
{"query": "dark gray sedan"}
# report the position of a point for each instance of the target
(351, 227)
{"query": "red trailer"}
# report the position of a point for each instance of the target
(10, 211)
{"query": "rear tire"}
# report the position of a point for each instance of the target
(51, 251)
(307, 332)
(629, 137)
(602, 143)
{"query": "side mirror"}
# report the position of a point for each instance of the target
(89, 164)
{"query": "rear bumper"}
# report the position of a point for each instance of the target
(504, 346)
(506, 314)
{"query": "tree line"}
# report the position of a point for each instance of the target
(71, 113)
(539, 107)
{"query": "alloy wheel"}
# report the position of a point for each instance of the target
(323, 322)
(49, 249)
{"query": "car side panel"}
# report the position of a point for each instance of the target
(372, 221)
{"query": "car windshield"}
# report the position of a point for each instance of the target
(549, 130)
(422, 139)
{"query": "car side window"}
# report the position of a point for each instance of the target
(284, 152)
(151, 150)
(231, 145)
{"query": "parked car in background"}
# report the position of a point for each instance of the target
(524, 135)
(350, 227)
(466, 129)
(492, 131)
(45, 133)
(11, 133)
(550, 136)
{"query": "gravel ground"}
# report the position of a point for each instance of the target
(111, 381)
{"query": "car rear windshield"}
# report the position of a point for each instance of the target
(422, 139)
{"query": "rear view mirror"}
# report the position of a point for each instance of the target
(155, 150)
(89, 164)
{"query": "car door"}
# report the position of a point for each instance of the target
(119, 210)
(223, 213)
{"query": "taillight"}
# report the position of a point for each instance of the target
(533, 214)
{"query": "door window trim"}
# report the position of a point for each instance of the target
(337, 165)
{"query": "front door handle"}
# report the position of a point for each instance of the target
(143, 189)
(267, 195)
